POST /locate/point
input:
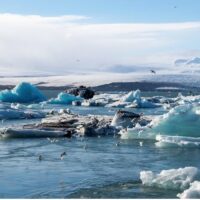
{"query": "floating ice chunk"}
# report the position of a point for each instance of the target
(22, 93)
(136, 133)
(20, 114)
(64, 98)
(164, 140)
(64, 111)
(92, 102)
(118, 104)
(17, 106)
(178, 179)
(134, 99)
(181, 120)
(132, 96)
(143, 103)
(125, 119)
(193, 192)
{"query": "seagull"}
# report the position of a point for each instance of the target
(153, 72)
(77, 60)
(141, 144)
(40, 157)
(62, 155)
(85, 146)
(117, 144)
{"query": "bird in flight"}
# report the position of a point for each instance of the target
(153, 72)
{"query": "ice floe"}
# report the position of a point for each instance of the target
(177, 179)
(193, 192)
(29, 133)
(165, 140)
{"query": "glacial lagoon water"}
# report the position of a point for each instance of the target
(92, 167)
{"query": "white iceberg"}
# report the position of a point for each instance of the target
(132, 96)
(181, 141)
(133, 100)
(177, 179)
(193, 192)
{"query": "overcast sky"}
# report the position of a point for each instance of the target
(75, 36)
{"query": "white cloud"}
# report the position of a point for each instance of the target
(52, 45)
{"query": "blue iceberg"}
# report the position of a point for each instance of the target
(22, 93)
(139, 102)
(132, 96)
(64, 98)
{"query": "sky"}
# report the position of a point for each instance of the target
(56, 37)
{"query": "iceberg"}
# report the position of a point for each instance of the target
(193, 192)
(64, 98)
(133, 100)
(20, 114)
(132, 96)
(182, 120)
(22, 93)
(181, 141)
(177, 179)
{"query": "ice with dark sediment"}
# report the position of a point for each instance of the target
(64, 124)
(182, 119)
(126, 119)
(78, 125)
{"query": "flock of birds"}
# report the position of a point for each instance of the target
(63, 154)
